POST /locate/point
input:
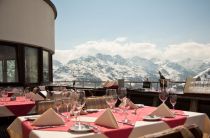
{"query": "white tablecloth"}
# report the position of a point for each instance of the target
(141, 128)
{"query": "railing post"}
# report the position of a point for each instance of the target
(83, 84)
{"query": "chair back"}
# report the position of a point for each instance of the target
(97, 102)
(42, 106)
(192, 131)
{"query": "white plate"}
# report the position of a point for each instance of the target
(152, 118)
(92, 110)
(84, 128)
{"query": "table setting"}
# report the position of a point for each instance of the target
(14, 106)
(127, 120)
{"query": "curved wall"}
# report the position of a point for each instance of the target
(29, 22)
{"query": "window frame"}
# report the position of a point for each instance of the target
(20, 63)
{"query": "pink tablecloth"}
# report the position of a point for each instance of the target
(124, 130)
(19, 108)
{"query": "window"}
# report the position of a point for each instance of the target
(24, 64)
(1, 71)
(31, 65)
(11, 71)
(8, 64)
(45, 66)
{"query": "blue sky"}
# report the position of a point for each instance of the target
(162, 22)
(166, 29)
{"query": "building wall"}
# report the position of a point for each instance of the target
(29, 22)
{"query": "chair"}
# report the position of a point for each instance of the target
(195, 130)
(42, 106)
(98, 102)
(192, 131)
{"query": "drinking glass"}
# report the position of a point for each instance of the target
(111, 97)
(67, 102)
(4, 94)
(173, 99)
(73, 104)
(58, 103)
(79, 104)
(163, 96)
(27, 94)
(122, 93)
(1, 99)
(21, 95)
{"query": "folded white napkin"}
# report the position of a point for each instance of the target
(107, 119)
(129, 103)
(163, 110)
(49, 117)
(44, 93)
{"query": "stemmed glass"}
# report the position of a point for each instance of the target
(163, 96)
(21, 95)
(173, 96)
(111, 97)
(4, 95)
(58, 103)
(173, 99)
(122, 93)
(79, 104)
(1, 98)
(67, 103)
(27, 94)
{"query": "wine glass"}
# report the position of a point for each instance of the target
(1, 99)
(58, 103)
(163, 96)
(122, 93)
(78, 105)
(111, 97)
(67, 102)
(21, 95)
(4, 94)
(173, 99)
(27, 94)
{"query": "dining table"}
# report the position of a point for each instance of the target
(18, 106)
(137, 126)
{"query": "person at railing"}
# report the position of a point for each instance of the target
(163, 82)
(146, 84)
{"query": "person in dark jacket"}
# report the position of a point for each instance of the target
(163, 82)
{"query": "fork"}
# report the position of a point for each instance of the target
(49, 126)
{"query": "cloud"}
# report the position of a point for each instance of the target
(193, 50)
(121, 39)
(121, 46)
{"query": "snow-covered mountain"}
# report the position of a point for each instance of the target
(107, 67)
(204, 75)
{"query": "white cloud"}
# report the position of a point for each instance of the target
(177, 52)
(121, 39)
(123, 47)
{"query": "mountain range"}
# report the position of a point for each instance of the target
(103, 67)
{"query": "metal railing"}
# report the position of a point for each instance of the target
(155, 85)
